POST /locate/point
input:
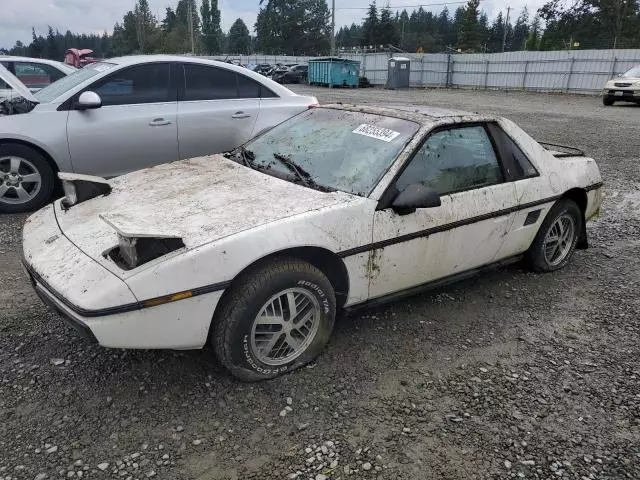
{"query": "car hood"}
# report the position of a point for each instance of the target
(16, 84)
(200, 200)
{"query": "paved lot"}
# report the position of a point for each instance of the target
(509, 374)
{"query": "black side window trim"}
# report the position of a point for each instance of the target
(390, 193)
(506, 153)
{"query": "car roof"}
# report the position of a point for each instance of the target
(137, 59)
(14, 58)
(424, 115)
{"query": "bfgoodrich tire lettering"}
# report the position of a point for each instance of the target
(542, 256)
(235, 323)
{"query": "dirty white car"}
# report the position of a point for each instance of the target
(625, 88)
(340, 207)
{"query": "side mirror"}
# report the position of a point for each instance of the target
(88, 101)
(415, 196)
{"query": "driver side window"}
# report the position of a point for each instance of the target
(454, 160)
(147, 83)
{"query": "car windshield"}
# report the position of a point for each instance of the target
(633, 73)
(331, 149)
(53, 91)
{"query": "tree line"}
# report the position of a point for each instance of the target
(302, 27)
(559, 24)
(184, 29)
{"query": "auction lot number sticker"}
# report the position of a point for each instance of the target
(384, 134)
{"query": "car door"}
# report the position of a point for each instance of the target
(217, 110)
(136, 126)
(463, 233)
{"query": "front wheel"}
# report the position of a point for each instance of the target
(607, 102)
(556, 240)
(26, 179)
(274, 320)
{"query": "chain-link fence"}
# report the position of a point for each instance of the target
(576, 71)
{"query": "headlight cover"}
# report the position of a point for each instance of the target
(80, 188)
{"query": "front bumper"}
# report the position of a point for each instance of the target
(100, 305)
(622, 94)
(49, 298)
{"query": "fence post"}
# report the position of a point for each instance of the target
(524, 76)
(422, 72)
(486, 74)
(573, 59)
(449, 71)
(613, 67)
(364, 66)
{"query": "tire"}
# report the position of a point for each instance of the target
(29, 162)
(237, 332)
(543, 261)
(608, 101)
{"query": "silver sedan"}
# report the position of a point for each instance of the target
(128, 113)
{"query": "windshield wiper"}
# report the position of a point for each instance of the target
(247, 156)
(299, 172)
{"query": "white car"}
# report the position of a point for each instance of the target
(124, 114)
(340, 207)
(625, 88)
(34, 73)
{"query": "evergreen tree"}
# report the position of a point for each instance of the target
(293, 27)
(211, 31)
(496, 34)
(169, 22)
(370, 26)
(53, 49)
(386, 33)
(520, 30)
(239, 40)
(37, 46)
(533, 39)
(468, 32)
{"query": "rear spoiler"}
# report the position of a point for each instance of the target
(559, 151)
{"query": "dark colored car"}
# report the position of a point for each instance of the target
(294, 74)
(263, 68)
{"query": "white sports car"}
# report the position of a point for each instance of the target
(255, 251)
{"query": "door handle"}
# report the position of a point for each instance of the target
(159, 122)
(240, 115)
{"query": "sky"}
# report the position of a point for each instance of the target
(96, 16)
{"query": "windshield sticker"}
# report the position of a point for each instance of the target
(379, 133)
(101, 67)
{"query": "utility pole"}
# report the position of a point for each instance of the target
(190, 14)
(333, 27)
(506, 23)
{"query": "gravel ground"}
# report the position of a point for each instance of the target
(507, 375)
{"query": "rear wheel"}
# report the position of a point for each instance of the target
(274, 320)
(556, 240)
(608, 101)
(26, 179)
